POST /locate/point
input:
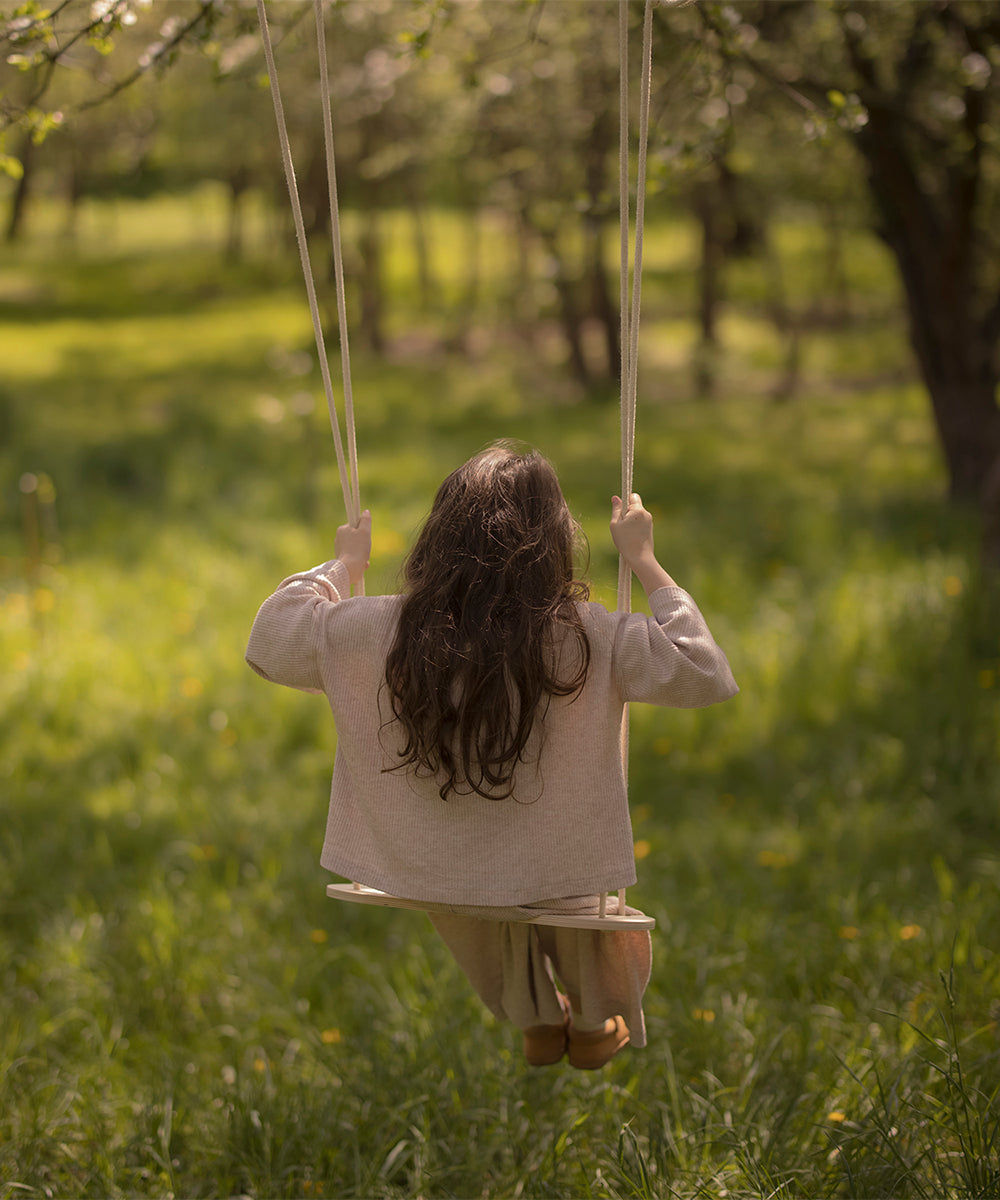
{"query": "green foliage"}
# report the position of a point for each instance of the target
(182, 1012)
(11, 166)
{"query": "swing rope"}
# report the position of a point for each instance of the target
(349, 483)
(625, 333)
(338, 256)
(629, 314)
(630, 310)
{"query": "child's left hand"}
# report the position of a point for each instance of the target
(353, 546)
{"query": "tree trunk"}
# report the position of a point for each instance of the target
(465, 312)
(954, 355)
(73, 194)
(239, 182)
(372, 292)
(520, 301)
(834, 305)
(991, 518)
(569, 310)
(953, 339)
(709, 288)
(421, 242)
(743, 233)
(598, 152)
(785, 323)
(963, 400)
(314, 192)
(604, 308)
(19, 201)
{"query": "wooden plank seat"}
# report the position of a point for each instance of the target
(356, 893)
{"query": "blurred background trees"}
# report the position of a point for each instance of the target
(856, 115)
(915, 86)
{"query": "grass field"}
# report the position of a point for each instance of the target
(183, 1013)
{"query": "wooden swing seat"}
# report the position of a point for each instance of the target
(358, 894)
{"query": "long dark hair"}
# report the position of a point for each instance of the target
(487, 624)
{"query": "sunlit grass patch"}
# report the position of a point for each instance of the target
(128, 226)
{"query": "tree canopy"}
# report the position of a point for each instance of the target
(876, 113)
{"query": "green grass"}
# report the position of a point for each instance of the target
(182, 1012)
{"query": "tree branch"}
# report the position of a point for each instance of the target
(766, 73)
(31, 23)
(52, 55)
(205, 10)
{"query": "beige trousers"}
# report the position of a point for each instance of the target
(514, 966)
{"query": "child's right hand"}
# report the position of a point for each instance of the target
(632, 530)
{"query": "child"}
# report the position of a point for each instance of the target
(478, 716)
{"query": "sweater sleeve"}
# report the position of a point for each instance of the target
(283, 641)
(671, 657)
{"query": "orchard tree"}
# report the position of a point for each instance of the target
(62, 59)
(213, 119)
(547, 126)
(915, 86)
(728, 147)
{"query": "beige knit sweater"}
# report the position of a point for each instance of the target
(566, 831)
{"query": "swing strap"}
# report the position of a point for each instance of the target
(349, 483)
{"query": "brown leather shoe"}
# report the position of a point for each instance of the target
(546, 1044)
(592, 1049)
